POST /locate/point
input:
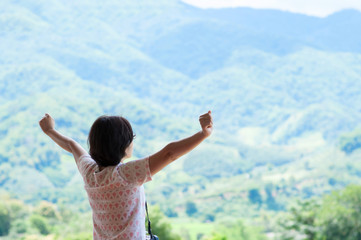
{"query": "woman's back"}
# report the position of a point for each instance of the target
(116, 196)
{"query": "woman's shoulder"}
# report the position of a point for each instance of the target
(85, 163)
(135, 171)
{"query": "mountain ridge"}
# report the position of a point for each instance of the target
(283, 89)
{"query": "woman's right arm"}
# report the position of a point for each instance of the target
(175, 150)
(47, 124)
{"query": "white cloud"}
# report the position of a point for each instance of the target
(319, 8)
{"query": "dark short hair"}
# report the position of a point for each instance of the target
(108, 139)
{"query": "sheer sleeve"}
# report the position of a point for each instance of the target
(85, 163)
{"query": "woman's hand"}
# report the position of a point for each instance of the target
(47, 123)
(206, 123)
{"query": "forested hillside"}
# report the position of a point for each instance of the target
(284, 90)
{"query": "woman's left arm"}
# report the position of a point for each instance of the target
(47, 124)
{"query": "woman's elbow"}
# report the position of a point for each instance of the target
(170, 154)
(71, 145)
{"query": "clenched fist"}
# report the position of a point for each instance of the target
(47, 123)
(206, 123)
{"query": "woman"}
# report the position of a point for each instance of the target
(115, 189)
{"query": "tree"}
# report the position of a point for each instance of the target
(255, 197)
(169, 212)
(4, 220)
(209, 218)
(300, 221)
(19, 226)
(160, 226)
(337, 216)
(341, 213)
(17, 209)
(47, 210)
(191, 208)
(40, 223)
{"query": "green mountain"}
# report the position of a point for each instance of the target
(283, 88)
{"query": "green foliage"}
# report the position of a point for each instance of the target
(47, 210)
(5, 169)
(254, 196)
(301, 221)
(217, 236)
(40, 223)
(337, 217)
(332, 181)
(340, 214)
(191, 208)
(80, 236)
(236, 230)
(160, 225)
(17, 208)
(351, 141)
(209, 218)
(270, 200)
(169, 212)
(19, 226)
(5, 220)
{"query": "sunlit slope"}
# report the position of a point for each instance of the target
(307, 91)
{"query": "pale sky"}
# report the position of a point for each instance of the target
(320, 8)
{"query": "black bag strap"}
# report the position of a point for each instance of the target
(149, 228)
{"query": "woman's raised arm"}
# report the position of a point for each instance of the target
(47, 124)
(175, 150)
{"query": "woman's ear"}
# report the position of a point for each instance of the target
(129, 150)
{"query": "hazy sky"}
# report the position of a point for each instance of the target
(310, 7)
